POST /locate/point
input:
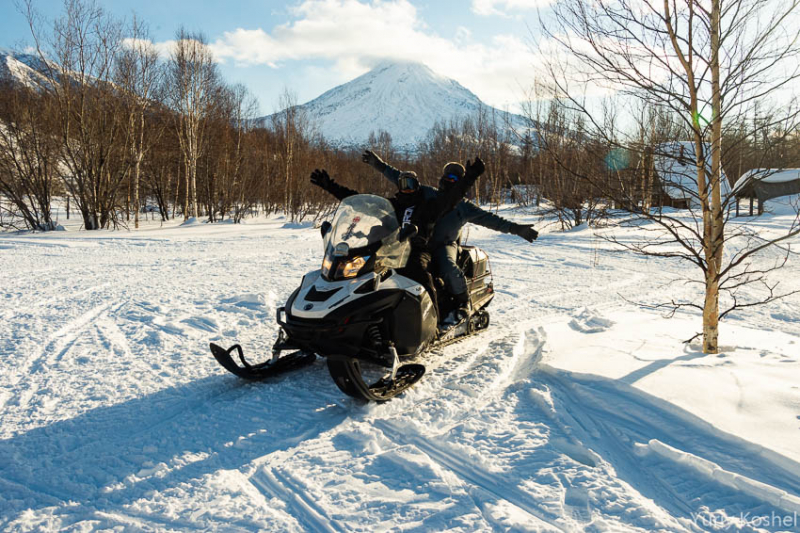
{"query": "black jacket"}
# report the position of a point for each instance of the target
(448, 227)
(423, 209)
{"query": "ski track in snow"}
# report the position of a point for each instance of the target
(115, 416)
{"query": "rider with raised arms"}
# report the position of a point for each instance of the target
(414, 204)
(443, 243)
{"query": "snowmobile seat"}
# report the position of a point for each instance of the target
(473, 262)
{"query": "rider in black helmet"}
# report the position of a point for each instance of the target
(444, 240)
(415, 205)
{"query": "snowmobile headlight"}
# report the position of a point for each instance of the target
(350, 269)
(326, 265)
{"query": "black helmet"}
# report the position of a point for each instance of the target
(451, 173)
(407, 182)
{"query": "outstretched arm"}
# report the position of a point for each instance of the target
(321, 179)
(389, 172)
(478, 216)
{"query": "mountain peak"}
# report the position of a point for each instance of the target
(402, 71)
(403, 98)
(402, 65)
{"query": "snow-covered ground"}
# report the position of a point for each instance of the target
(577, 410)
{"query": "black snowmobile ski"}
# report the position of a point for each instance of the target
(346, 371)
(267, 369)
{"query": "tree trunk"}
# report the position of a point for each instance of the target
(711, 311)
(177, 189)
(194, 187)
(187, 192)
(136, 173)
(716, 229)
(137, 169)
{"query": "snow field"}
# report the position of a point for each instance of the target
(575, 411)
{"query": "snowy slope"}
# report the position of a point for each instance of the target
(21, 68)
(574, 411)
(404, 99)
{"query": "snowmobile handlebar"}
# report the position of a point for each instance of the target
(325, 228)
(406, 232)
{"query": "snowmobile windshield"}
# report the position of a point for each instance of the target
(363, 238)
(362, 220)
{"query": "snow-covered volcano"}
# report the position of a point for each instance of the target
(404, 99)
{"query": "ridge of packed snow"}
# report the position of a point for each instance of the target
(757, 489)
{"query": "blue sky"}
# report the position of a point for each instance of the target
(310, 46)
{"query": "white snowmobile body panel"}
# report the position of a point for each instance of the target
(343, 291)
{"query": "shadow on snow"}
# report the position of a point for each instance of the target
(113, 455)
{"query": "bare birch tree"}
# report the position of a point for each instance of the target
(708, 61)
(79, 58)
(291, 127)
(193, 79)
(138, 74)
(244, 108)
(28, 155)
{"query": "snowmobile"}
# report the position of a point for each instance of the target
(359, 311)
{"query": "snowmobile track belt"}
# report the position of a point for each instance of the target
(346, 372)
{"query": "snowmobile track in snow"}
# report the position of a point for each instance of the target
(617, 422)
(471, 473)
(127, 423)
(274, 483)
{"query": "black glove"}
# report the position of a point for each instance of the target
(525, 231)
(321, 179)
(373, 160)
(474, 168)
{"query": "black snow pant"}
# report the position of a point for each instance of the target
(418, 269)
(445, 260)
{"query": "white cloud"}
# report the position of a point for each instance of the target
(163, 48)
(328, 29)
(502, 7)
(356, 35)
